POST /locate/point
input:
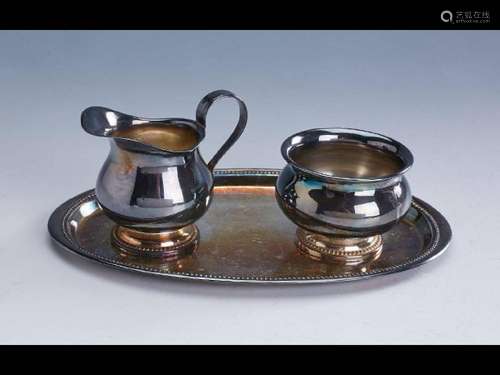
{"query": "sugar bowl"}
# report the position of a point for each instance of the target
(343, 188)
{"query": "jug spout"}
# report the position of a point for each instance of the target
(101, 121)
(170, 135)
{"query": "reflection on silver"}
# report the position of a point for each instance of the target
(368, 209)
(88, 208)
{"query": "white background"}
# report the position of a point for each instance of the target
(437, 92)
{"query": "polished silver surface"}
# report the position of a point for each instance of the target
(244, 237)
(154, 177)
(344, 182)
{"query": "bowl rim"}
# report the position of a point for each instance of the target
(365, 136)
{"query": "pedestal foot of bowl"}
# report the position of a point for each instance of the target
(331, 249)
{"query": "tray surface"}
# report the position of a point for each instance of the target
(246, 238)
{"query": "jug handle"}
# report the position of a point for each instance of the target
(201, 116)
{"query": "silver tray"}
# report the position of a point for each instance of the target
(246, 238)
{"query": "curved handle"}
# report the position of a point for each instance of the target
(201, 117)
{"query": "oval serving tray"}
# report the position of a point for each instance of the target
(244, 237)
